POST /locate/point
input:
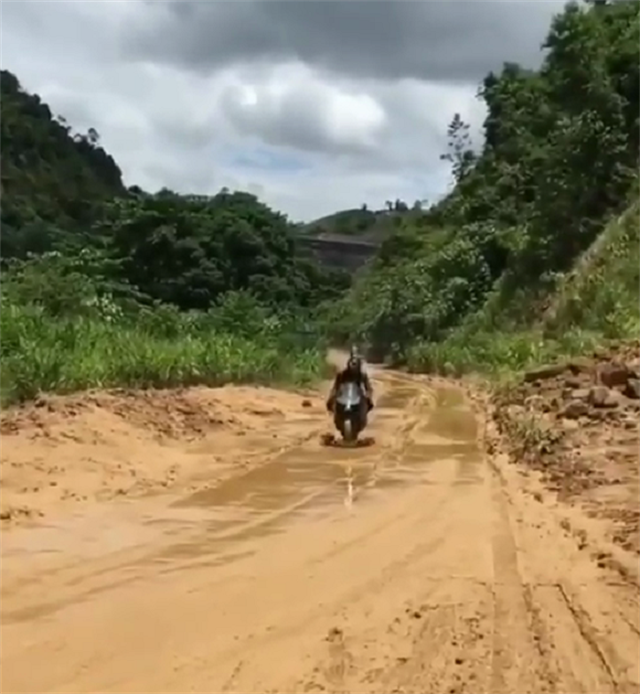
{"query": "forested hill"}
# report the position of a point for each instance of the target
(62, 192)
(559, 162)
(49, 173)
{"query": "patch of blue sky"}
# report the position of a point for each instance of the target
(265, 159)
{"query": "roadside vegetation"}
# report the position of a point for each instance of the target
(534, 253)
(66, 340)
(72, 335)
(107, 286)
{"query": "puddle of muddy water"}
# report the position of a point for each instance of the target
(450, 419)
(397, 398)
(303, 482)
(223, 523)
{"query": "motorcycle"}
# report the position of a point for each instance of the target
(349, 414)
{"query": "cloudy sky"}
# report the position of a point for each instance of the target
(312, 105)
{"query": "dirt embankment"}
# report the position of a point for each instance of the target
(62, 451)
(578, 425)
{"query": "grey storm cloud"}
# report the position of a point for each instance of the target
(437, 40)
(356, 93)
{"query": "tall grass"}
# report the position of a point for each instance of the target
(498, 353)
(44, 353)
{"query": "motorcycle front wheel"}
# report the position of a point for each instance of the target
(348, 430)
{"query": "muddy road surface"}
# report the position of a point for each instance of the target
(205, 541)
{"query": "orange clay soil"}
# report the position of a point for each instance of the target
(207, 541)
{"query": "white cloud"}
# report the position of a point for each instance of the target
(292, 106)
(308, 139)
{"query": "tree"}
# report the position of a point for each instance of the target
(400, 206)
(459, 155)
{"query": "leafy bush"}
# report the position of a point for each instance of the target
(104, 286)
(425, 296)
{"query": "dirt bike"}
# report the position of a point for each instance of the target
(350, 411)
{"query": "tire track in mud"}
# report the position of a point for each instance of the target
(516, 633)
(131, 556)
(570, 653)
(389, 571)
(371, 459)
(536, 642)
(340, 661)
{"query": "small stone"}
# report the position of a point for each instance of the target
(613, 374)
(634, 369)
(306, 403)
(580, 394)
(534, 401)
(543, 373)
(575, 409)
(601, 396)
(632, 389)
(335, 633)
(577, 366)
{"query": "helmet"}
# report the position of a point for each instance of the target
(354, 364)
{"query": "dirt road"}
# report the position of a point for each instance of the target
(243, 556)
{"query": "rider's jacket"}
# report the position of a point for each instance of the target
(345, 376)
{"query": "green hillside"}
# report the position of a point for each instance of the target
(374, 225)
(53, 180)
(601, 291)
(471, 278)
(62, 192)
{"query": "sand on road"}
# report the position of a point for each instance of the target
(205, 541)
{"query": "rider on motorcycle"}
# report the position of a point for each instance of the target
(352, 373)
